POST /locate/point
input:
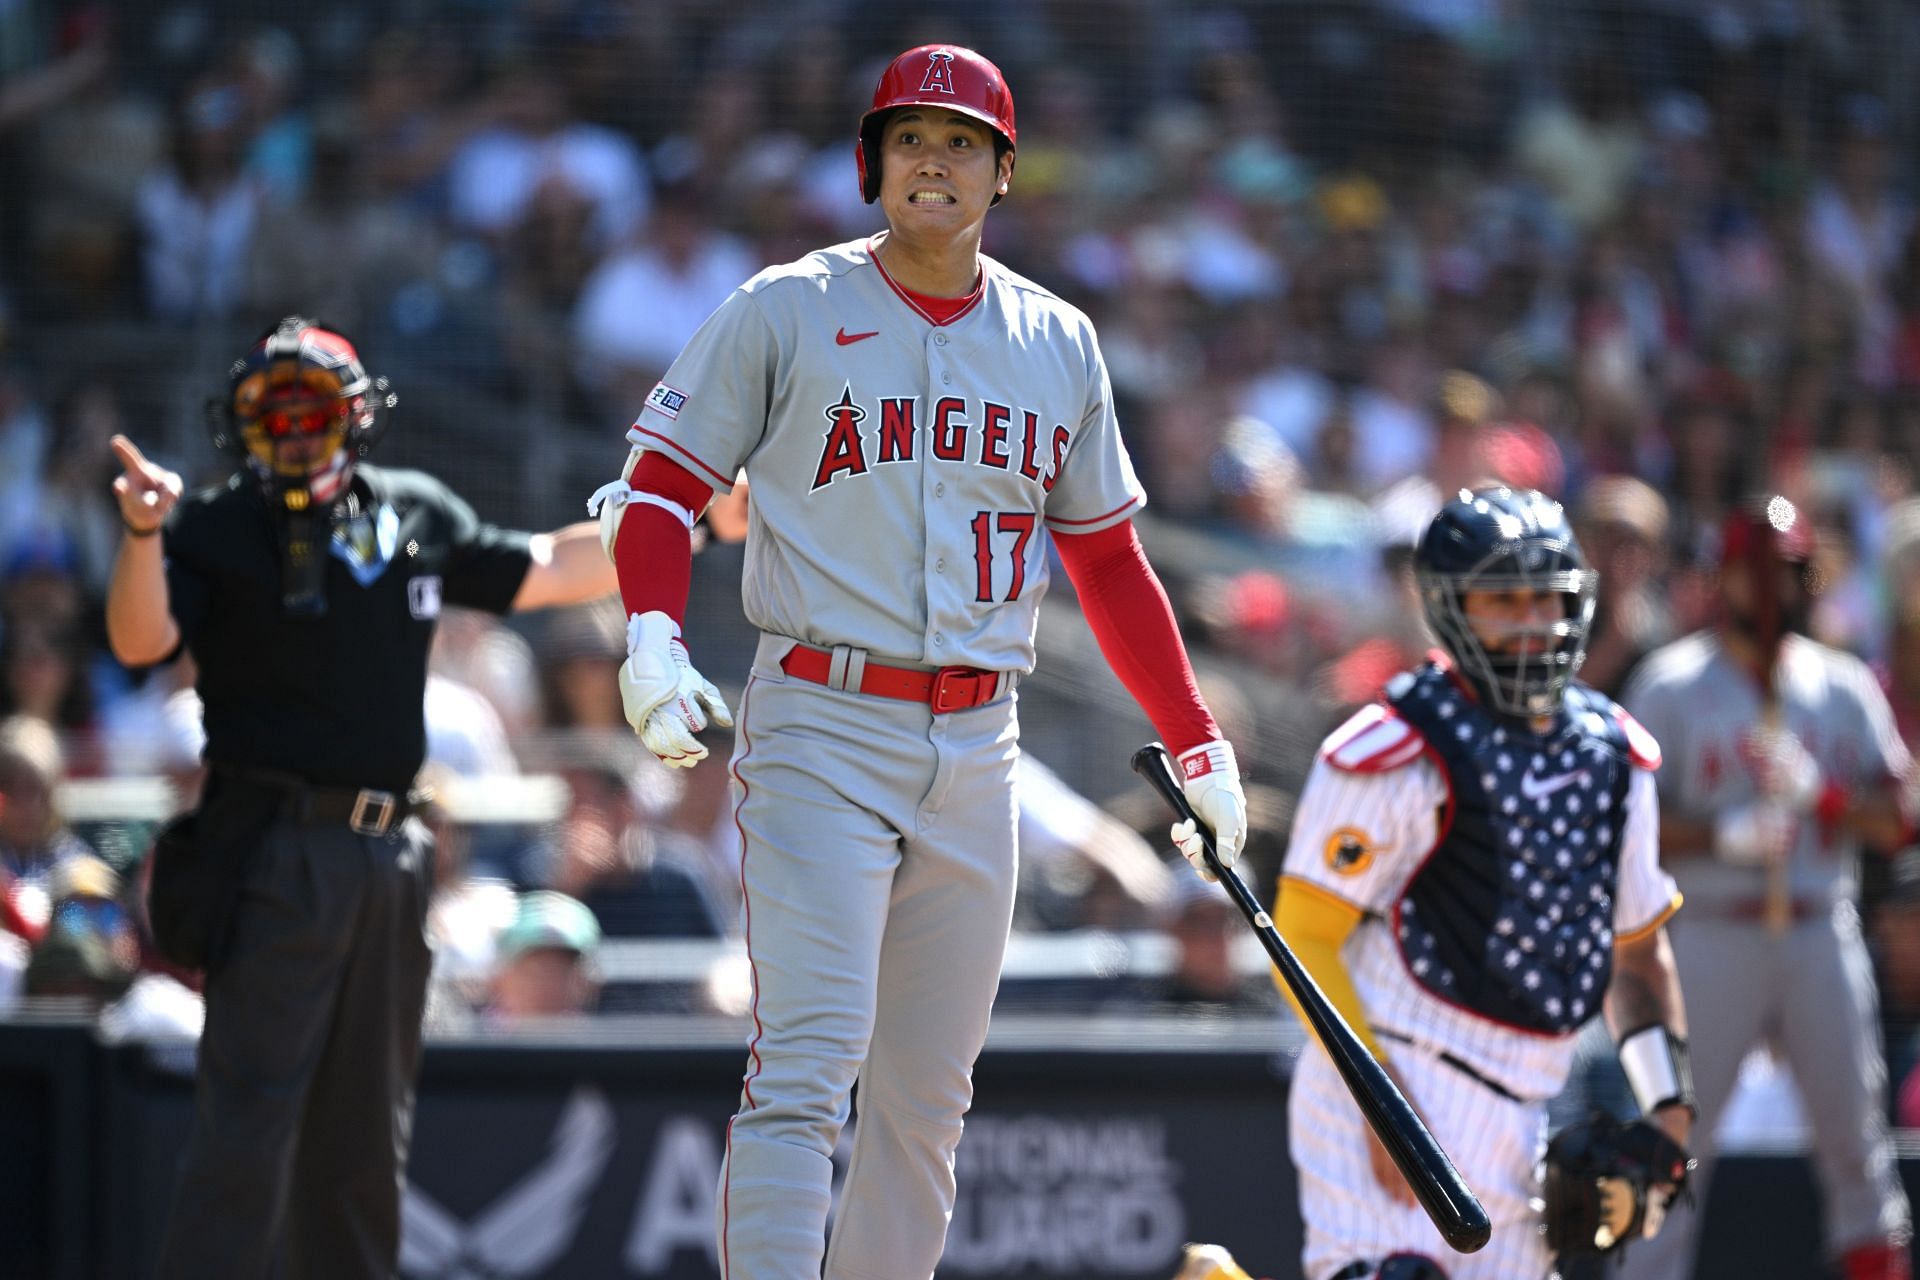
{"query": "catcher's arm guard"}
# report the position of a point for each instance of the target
(1606, 1183)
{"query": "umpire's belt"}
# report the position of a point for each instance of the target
(945, 689)
(362, 810)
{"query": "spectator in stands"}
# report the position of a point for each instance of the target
(643, 302)
(42, 675)
(604, 852)
(1622, 523)
(72, 507)
(547, 958)
(1857, 227)
(89, 947)
(580, 651)
(469, 910)
(33, 840)
(1895, 932)
(339, 249)
(91, 952)
(534, 139)
(199, 211)
(1205, 928)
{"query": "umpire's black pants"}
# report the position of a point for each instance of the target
(304, 1099)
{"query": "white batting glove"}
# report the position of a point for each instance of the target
(1211, 780)
(1786, 770)
(1756, 834)
(667, 702)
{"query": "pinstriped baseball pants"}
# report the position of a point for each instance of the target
(1495, 1142)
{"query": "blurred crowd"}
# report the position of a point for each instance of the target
(1647, 255)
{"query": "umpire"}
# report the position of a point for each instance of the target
(307, 589)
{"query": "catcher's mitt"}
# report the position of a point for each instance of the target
(1607, 1183)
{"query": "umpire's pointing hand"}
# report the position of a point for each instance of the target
(145, 491)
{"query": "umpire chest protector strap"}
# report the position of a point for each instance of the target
(1511, 915)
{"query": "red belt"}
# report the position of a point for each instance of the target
(948, 689)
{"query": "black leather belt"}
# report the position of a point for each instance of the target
(1457, 1064)
(365, 811)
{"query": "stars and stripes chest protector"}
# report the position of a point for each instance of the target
(1511, 915)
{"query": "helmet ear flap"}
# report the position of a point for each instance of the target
(866, 159)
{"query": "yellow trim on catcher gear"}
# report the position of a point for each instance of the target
(1316, 923)
(1665, 914)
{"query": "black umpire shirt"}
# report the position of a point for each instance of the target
(337, 699)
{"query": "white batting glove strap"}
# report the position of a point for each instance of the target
(1211, 778)
(666, 701)
(1788, 771)
(1754, 835)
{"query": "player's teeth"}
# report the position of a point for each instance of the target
(931, 197)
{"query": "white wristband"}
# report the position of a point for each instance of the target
(1655, 1061)
(1209, 757)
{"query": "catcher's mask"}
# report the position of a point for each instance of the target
(1507, 540)
(300, 410)
(934, 75)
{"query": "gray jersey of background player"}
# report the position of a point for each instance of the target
(918, 425)
(1781, 760)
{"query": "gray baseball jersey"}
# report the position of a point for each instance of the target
(905, 473)
(902, 471)
(1809, 992)
(1703, 709)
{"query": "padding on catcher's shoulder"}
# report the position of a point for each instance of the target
(1642, 747)
(1606, 1183)
(1373, 740)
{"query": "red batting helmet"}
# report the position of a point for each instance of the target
(934, 75)
(1757, 536)
(1763, 528)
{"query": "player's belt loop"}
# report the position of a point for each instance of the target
(856, 669)
(837, 667)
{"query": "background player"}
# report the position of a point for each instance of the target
(1472, 875)
(1802, 786)
(918, 424)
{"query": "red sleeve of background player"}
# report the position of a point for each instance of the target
(1133, 621)
(653, 553)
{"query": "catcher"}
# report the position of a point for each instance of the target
(1472, 876)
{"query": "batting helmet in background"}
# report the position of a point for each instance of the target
(1757, 537)
(1507, 540)
(934, 75)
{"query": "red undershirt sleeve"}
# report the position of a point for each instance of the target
(653, 554)
(1132, 619)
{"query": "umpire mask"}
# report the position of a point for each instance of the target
(300, 410)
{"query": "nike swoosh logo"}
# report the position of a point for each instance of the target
(1536, 788)
(846, 339)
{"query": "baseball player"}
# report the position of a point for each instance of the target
(918, 425)
(1471, 876)
(1783, 758)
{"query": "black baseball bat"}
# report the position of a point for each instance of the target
(1459, 1215)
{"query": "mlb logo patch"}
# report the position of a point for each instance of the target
(423, 596)
(665, 399)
